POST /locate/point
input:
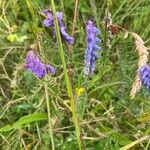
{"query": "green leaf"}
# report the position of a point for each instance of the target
(120, 139)
(25, 120)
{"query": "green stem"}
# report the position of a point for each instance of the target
(68, 83)
(62, 6)
(49, 116)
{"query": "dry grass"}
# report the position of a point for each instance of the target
(143, 59)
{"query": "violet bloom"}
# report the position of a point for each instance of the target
(49, 22)
(68, 38)
(92, 49)
(144, 73)
(34, 64)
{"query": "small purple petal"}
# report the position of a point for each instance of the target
(49, 18)
(97, 31)
(59, 16)
(47, 22)
(51, 69)
(97, 40)
(48, 13)
(96, 47)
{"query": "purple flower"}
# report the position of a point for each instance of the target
(144, 73)
(34, 64)
(69, 39)
(59, 16)
(49, 21)
(91, 53)
(50, 69)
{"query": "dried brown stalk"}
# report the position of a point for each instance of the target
(131, 145)
(143, 59)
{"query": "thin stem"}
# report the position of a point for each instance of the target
(68, 83)
(75, 16)
(49, 116)
(105, 32)
(73, 28)
(62, 6)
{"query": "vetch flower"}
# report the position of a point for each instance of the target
(49, 22)
(144, 73)
(92, 49)
(59, 16)
(34, 64)
(68, 38)
(50, 69)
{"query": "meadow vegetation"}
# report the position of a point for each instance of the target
(69, 110)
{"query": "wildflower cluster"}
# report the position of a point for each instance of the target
(49, 22)
(91, 53)
(34, 64)
(40, 69)
(144, 73)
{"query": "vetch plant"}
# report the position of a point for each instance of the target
(49, 22)
(92, 49)
(34, 64)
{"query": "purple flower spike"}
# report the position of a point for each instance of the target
(49, 21)
(34, 64)
(92, 49)
(144, 73)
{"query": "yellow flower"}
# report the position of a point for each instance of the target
(79, 91)
(16, 38)
(12, 37)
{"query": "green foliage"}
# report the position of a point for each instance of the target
(109, 118)
(25, 120)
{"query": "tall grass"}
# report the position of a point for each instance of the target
(68, 82)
